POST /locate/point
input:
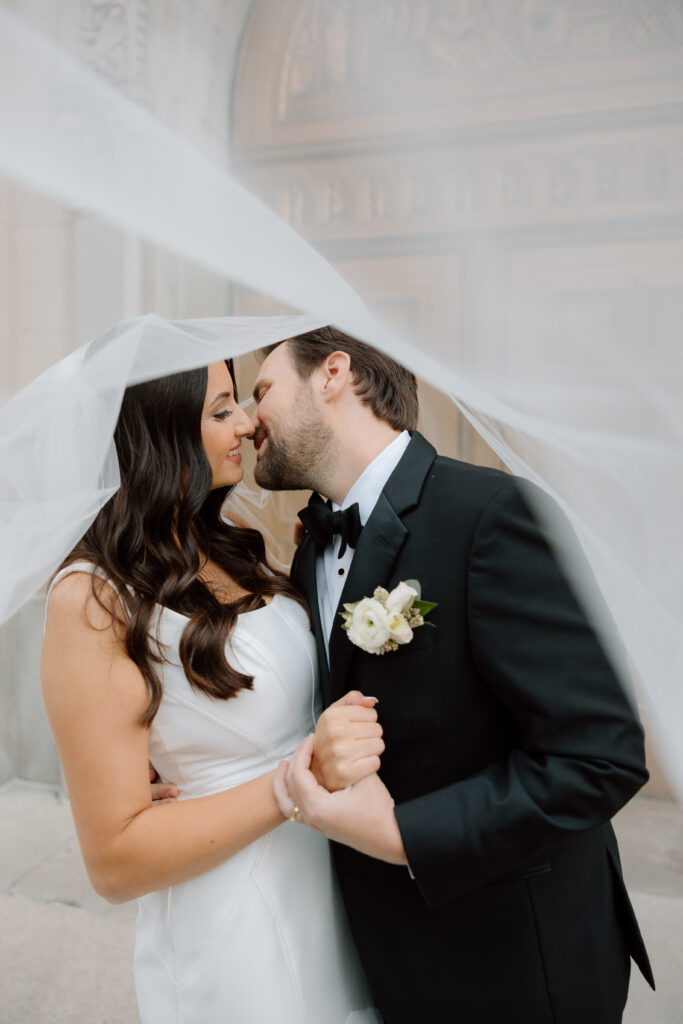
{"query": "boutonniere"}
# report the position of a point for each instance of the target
(386, 620)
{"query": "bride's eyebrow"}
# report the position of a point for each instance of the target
(223, 394)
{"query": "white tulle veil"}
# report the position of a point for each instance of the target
(585, 404)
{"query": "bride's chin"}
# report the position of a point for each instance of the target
(228, 481)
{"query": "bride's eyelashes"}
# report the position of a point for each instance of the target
(222, 415)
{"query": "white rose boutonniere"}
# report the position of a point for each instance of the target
(386, 620)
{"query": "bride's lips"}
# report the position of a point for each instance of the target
(236, 458)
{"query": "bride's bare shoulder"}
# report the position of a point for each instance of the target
(87, 677)
(80, 601)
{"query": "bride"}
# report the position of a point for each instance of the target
(169, 639)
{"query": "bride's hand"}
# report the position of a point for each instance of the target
(361, 816)
(348, 742)
(162, 792)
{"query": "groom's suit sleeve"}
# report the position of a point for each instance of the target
(579, 755)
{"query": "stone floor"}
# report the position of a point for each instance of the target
(65, 954)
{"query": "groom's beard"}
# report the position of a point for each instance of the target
(294, 460)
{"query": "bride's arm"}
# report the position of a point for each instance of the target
(94, 695)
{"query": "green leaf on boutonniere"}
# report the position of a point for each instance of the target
(424, 606)
(415, 584)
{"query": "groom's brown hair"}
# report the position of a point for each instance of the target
(379, 381)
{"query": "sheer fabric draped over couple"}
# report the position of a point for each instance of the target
(468, 801)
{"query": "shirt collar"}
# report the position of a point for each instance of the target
(368, 487)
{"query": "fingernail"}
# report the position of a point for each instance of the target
(376, 699)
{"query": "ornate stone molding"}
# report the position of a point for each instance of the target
(446, 63)
(114, 39)
(593, 176)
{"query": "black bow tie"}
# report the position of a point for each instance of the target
(322, 523)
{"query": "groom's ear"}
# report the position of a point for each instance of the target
(335, 375)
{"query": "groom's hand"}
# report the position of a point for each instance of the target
(361, 816)
(348, 742)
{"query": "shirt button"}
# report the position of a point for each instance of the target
(341, 571)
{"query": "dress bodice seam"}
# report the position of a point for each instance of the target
(205, 713)
(283, 945)
(180, 981)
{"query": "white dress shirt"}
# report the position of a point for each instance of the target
(331, 571)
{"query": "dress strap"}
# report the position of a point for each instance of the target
(88, 567)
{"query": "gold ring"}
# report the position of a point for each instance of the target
(294, 816)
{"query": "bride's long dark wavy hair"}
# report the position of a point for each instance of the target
(154, 535)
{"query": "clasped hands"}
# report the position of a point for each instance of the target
(332, 779)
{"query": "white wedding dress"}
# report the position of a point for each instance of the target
(263, 938)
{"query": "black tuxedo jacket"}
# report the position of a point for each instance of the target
(509, 746)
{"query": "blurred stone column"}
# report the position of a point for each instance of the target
(65, 276)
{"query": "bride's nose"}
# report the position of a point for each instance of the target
(244, 426)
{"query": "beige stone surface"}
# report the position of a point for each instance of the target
(65, 954)
(661, 922)
(64, 965)
(35, 824)
(650, 833)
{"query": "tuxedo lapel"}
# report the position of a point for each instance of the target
(304, 575)
(380, 542)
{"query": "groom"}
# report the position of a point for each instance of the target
(489, 890)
